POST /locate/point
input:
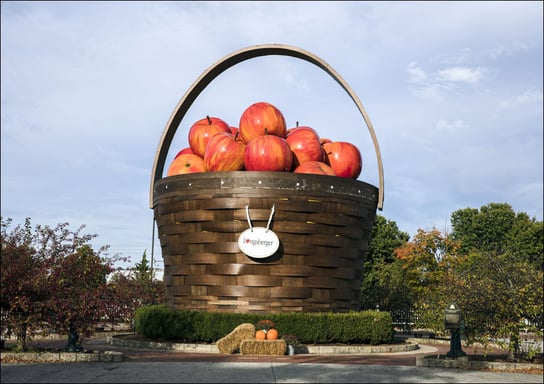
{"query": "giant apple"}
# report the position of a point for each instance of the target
(259, 119)
(315, 167)
(184, 150)
(268, 153)
(224, 152)
(305, 145)
(203, 130)
(324, 140)
(344, 158)
(186, 163)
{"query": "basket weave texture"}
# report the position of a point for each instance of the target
(323, 223)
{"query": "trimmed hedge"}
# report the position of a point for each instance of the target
(190, 326)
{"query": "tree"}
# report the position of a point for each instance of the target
(525, 240)
(486, 227)
(44, 272)
(142, 270)
(23, 288)
(383, 284)
(133, 291)
(385, 288)
(497, 229)
(385, 238)
(501, 282)
(122, 299)
(429, 262)
(497, 293)
(149, 290)
(78, 294)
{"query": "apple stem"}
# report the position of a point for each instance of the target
(265, 131)
(209, 120)
(297, 124)
(236, 135)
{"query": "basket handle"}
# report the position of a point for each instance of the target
(225, 63)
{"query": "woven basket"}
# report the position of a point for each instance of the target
(323, 224)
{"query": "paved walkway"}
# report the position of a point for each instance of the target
(159, 366)
(247, 372)
(163, 355)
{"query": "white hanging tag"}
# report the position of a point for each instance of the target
(258, 242)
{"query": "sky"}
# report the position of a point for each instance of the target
(452, 89)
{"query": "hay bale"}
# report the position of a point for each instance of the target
(263, 347)
(231, 342)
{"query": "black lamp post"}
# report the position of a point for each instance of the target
(73, 341)
(452, 321)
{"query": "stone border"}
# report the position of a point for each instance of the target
(359, 349)
(117, 340)
(464, 362)
(62, 357)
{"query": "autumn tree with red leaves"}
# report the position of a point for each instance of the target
(51, 280)
(132, 291)
(429, 261)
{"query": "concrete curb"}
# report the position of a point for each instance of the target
(62, 357)
(464, 362)
(117, 340)
(441, 361)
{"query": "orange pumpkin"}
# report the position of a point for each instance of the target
(272, 334)
(260, 335)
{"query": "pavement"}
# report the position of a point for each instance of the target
(142, 365)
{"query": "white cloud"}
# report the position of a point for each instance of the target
(461, 74)
(455, 126)
(416, 74)
(434, 85)
(529, 96)
(500, 51)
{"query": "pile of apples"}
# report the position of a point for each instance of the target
(262, 142)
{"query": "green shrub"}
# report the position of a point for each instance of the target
(364, 327)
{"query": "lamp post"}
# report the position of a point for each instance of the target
(452, 321)
(73, 341)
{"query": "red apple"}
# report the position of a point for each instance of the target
(184, 150)
(186, 163)
(315, 167)
(344, 158)
(289, 130)
(260, 119)
(324, 140)
(304, 143)
(268, 153)
(224, 153)
(203, 130)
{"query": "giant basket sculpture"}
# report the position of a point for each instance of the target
(323, 224)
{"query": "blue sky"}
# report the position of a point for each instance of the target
(453, 90)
